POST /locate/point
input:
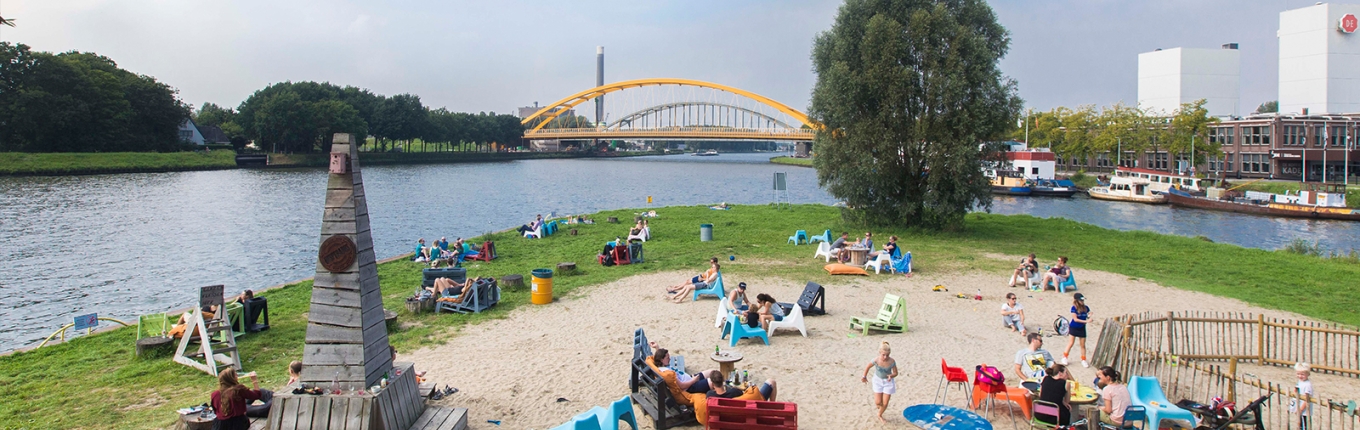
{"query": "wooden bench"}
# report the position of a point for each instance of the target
(441, 418)
(651, 394)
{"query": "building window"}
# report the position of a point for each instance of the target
(186, 135)
(1255, 163)
(1338, 137)
(1293, 135)
(1228, 162)
(1157, 161)
(1103, 160)
(1319, 133)
(1221, 135)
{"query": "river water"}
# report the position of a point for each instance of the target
(131, 244)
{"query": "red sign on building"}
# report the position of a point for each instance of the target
(1348, 23)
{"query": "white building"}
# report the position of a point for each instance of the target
(1320, 59)
(1033, 163)
(188, 132)
(1169, 77)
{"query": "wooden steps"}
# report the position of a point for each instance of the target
(441, 418)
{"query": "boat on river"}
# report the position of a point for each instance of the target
(1319, 201)
(708, 153)
(1053, 188)
(1161, 182)
(1127, 189)
(1009, 182)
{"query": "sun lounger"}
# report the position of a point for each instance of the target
(892, 316)
(813, 299)
(485, 294)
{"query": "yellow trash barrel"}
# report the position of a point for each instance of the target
(541, 292)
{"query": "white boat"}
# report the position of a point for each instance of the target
(708, 153)
(1162, 182)
(1127, 189)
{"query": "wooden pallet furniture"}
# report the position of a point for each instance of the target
(736, 414)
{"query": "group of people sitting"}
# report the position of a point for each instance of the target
(1028, 270)
(755, 314)
(712, 382)
(441, 252)
(1056, 383)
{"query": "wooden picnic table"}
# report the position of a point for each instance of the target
(727, 361)
(858, 256)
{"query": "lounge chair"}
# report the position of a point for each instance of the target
(892, 316)
(1146, 392)
(153, 325)
(643, 235)
(621, 256)
(536, 233)
(793, 319)
(813, 299)
(823, 250)
(799, 237)
(739, 331)
(713, 290)
(485, 294)
(642, 349)
(635, 253)
(824, 237)
(1045, 415)
(487, 254)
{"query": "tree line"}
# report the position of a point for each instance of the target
(302, 117)
(82, 102)
(1087, 131)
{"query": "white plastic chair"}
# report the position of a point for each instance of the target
(883, 259)
(643, 235)
(724, 309)
(793, 320)
(823, 249)
(537, 233)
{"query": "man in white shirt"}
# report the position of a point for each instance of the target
(1013, 314)
(1031, 362)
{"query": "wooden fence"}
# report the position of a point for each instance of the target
(1173, 347)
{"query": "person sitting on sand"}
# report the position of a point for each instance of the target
(1031, 362)
(767, 391)
(703, 280)
(1013, 314)
(770, 311)
(1028, 267)
(738, 298)
(1057, 275)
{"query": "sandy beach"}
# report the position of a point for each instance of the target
(514, 370)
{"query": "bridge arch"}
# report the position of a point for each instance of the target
(629, 118)
(548, 113)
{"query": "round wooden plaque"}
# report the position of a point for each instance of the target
(337, 253)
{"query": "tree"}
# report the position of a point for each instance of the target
(906, 93)
(213, 115)
(1269, 107)
(1188, 132)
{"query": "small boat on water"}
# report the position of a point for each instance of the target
(1009, 182)
(1053, 188)
(1322, 201)
(708, 153)
(1127, 189)
(1161, 182)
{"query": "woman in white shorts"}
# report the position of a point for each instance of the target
(885, 378)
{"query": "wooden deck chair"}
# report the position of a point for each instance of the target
(813, 299)
(487, 254)
(892, 316)
(153, 325)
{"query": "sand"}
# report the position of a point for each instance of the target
(514, 370)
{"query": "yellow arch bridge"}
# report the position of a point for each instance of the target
(673, 109)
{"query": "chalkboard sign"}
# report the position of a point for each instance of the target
(779, 182)
(86, 322)
(210, 296)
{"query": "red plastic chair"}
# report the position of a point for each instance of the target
(992, 390)
(949, 376)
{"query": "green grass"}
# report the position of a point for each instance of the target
(26, 163)
(94, 381)
(792, 161)
(1280, 187)
(1083, 180)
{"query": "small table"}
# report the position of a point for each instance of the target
(858, 256)
(197, 422)
(727, 360)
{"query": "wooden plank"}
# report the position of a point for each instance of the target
(336, 297)
(323, 375)
(335, 315)
(370, 316)
(345, 280)
(317, 333)
(321, 413)
(306, 411)
(276, 412)
(357, 414)
(339, 413)
(339, 198)
(338, 215)
(457, 420)
(289, 416)
(390, 418)
(370, 300)
(329, 228)
(334, 354)
(425, 418)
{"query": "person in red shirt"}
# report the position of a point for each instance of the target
(230, 400)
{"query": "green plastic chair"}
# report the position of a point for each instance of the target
(892, 317)
(153, 325)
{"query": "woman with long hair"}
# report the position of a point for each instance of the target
(230, 400)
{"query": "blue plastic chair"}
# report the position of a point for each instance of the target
(741, 331)
(799, 237)
(599, 418)
(902, 265)
(714, 290)
(825, 237)
(1143, 390)
(1071, 281)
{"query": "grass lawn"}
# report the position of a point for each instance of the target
(26, 163)
(95, 382)
(792, 161)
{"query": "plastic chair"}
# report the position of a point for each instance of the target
(724, 308)
(643, 235)
(713, 290)
(599, 418)
(1071, 281)
(878, 263)
(823, 250)
(1144, 391)
(824, 237)
(799, 237)
(741, 331)
(992, 390)
(794, 319)
(950, 375)
(1044, 408)
(902, 265)
(537, 233)
(1132, 414)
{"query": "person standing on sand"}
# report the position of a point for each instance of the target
(885, 378)
(1076, 329)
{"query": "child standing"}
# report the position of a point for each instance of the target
(1076, 329)
(885, 378)
(1304, 389)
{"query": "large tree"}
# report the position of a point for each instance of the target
(907, 93)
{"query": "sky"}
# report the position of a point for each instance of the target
(476, 56)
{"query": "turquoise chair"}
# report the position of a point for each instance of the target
(599, 418)
(741, 331)
(550, 228)
(798, 237)
(1144, 390)
(715, 290)
(1071, 281)
(902, 265)
(825, 237)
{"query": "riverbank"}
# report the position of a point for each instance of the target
(54, 164)
(791, 161)
(116, 390)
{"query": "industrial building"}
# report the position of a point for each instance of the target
(1169, 77)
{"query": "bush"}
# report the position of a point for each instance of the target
(1302, 247)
